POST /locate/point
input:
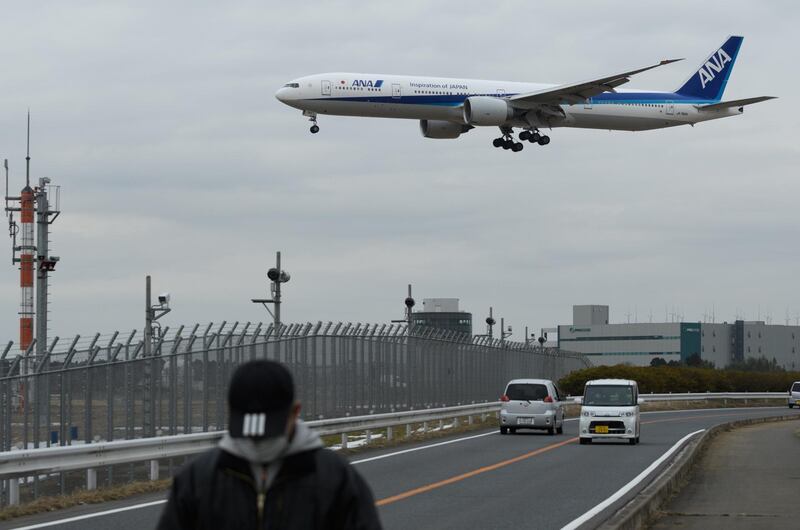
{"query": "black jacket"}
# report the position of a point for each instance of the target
(313, 489)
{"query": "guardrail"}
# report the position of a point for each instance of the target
(33, 462)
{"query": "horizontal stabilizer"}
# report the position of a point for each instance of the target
(735, 103)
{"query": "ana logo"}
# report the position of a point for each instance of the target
(368, 83)
(713, 66)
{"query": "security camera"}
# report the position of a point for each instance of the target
(409, 302)
(490, 321)
(163, 299)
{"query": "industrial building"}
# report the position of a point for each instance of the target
(442, 313)
(639, 343)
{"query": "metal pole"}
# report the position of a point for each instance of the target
(147, 397)
(277, 297)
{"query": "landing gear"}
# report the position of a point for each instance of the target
(312, 117)
(507, 141)
(534, 137)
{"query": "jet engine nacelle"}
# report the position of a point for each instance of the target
(441, 129)
(486, 110)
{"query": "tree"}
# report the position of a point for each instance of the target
(658, 361)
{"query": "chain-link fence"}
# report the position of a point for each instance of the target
(104, 388)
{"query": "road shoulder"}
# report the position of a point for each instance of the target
(747, 478)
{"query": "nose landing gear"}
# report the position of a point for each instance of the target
(312, 117)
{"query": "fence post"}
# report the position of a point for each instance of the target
(154, 470)
(91, 479)
(13, 491)
(344, 440)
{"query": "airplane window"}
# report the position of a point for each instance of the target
(292, 85)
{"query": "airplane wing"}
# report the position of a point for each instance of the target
(579, 92)
(734, 103)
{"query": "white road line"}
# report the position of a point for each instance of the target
(404, 451)
(629, 486)
(91, 515)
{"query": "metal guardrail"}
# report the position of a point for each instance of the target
(33, 462)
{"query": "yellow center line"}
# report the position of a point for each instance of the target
(469, 474)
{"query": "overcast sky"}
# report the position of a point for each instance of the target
(159, 121)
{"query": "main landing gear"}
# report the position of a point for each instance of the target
(507, 140)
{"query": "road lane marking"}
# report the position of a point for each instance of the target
(91, 515)
(629, 486)
(469, 474)
(430, 446)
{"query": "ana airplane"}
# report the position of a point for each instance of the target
(447, 107)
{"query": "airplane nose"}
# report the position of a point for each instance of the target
(281, 94)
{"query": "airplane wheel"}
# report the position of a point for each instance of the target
(517, 148)
(534, 138)
(508, 144)
(524, 135)
(314, 129)
(497, 142)
(544, 140)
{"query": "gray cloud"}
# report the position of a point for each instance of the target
(159, 122)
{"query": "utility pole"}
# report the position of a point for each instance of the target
(151, 314)
(409, 303)
(277, 276)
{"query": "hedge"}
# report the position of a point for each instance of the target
(665, 379)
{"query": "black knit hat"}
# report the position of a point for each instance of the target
(260, 399)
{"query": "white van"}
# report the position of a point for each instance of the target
(610, 409)
(794, 395)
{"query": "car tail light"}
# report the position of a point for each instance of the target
(548, 399)
(504, 398)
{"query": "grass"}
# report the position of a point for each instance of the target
(106, 494)
(98, 496)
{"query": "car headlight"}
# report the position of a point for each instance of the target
(586, 414)
(629, 414)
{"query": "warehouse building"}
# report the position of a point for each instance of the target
(639, 343)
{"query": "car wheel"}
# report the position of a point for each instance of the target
(551, 431)
(584, 441)
(560, 429)
(632, 441)
(791, 405)
(513, 430)
(637, 440)
(503, 430)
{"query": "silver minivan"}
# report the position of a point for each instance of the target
(531, 404)
(794, 395)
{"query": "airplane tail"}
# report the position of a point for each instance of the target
(708, 83)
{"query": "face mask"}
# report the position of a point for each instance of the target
(263, 451)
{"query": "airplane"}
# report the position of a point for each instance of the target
(448, 107)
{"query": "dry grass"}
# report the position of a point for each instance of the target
(98, 496)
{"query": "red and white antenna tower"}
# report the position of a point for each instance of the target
(31, 202)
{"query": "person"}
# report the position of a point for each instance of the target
(270, 470)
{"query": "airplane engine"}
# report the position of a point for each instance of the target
(485, 110)
(441, 129)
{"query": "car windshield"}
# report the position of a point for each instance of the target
(526, 391)
(796, 387)
(608, 396)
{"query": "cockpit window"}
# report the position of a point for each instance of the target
(292, 85)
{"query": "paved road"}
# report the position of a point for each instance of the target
(482, 480)
(749, 478)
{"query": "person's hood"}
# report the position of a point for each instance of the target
(304, 439)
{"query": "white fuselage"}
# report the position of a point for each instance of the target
(439, 98)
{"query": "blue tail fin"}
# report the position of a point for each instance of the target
(710, 79)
